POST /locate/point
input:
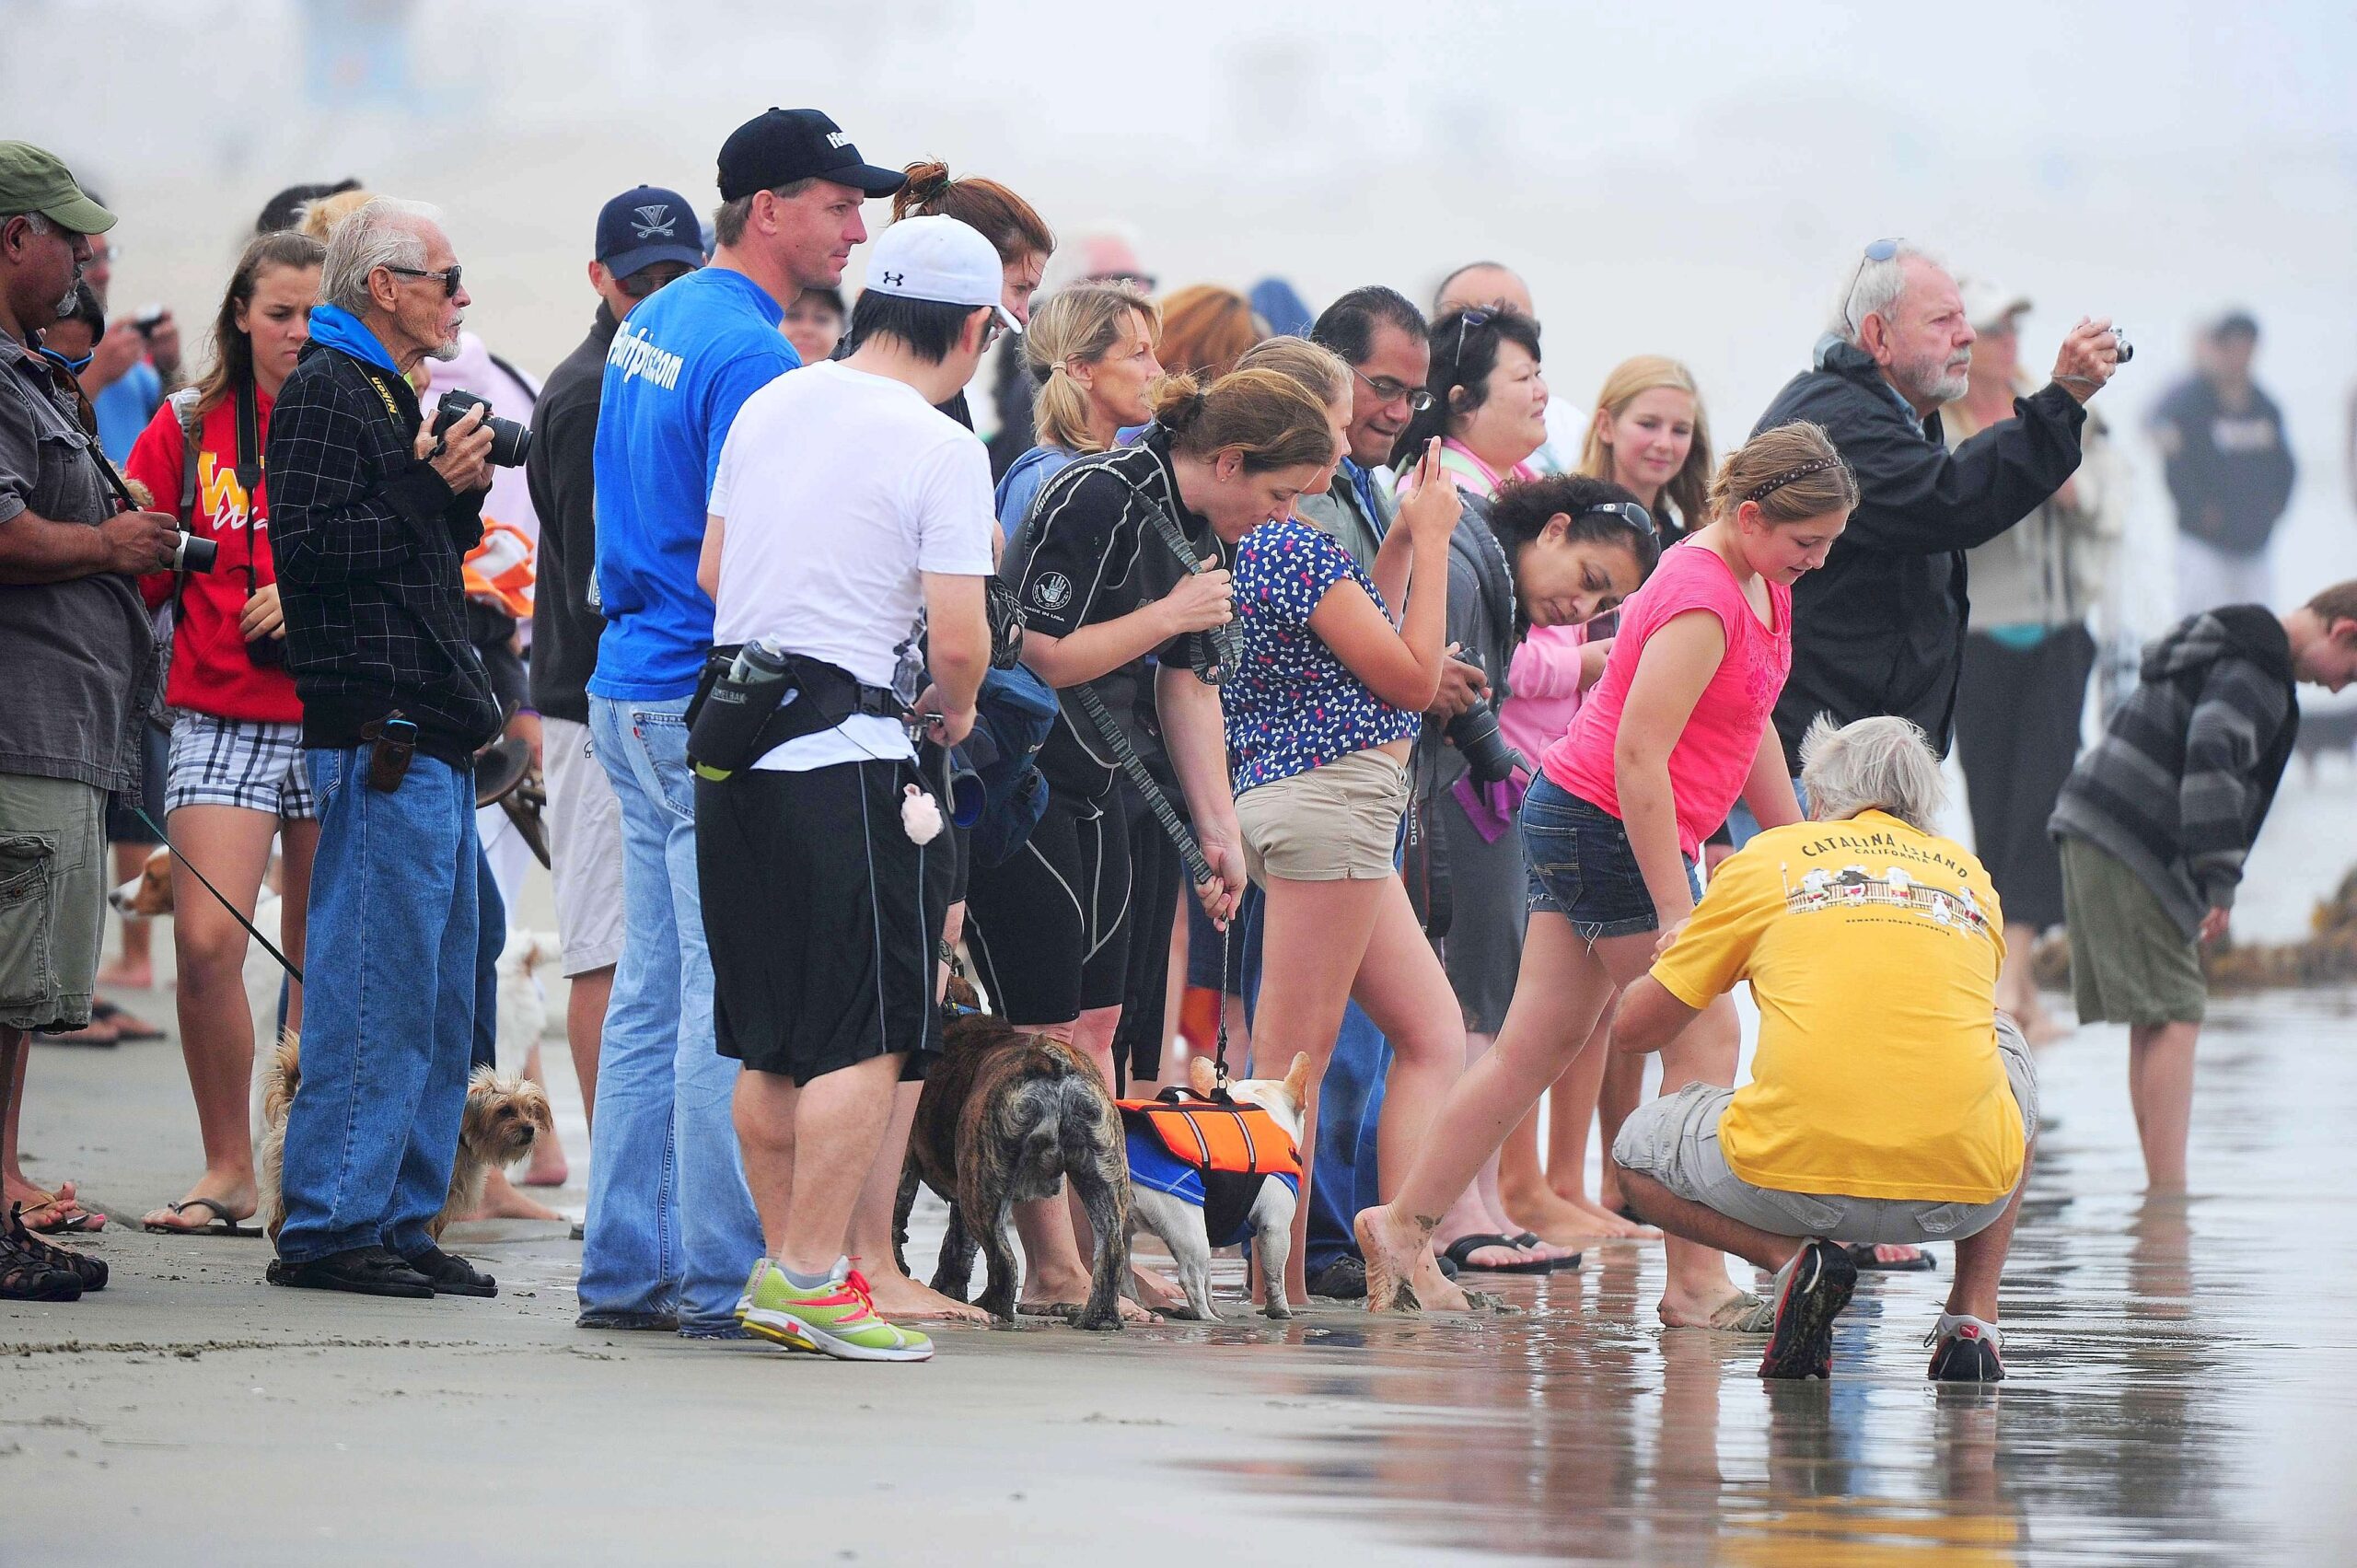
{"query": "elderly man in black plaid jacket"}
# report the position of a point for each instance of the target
(371, 515)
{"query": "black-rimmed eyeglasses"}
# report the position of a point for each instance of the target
(1392, 391)
(448, 277)
(1629, 512)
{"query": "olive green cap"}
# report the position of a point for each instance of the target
(34, 181)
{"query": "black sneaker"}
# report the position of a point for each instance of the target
(1965, 1349)
(630, 1322)
(1811, 1291)
(449, 1275)
(1344, 1279)
(89, 1273)
(362, 1271)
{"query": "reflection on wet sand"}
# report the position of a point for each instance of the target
(2158, 1351)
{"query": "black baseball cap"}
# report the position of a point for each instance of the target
(787, 144)
(647, 224)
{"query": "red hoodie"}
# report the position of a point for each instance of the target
(210, 673)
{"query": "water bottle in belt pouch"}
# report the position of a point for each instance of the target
(737, 707)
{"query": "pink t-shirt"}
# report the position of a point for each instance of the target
(1714, 754)
(1545, 679)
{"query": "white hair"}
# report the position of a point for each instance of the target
(1875, 290)
(1880, 763)
(38, 222)
(384, 233)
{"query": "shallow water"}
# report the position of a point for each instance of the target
(2179, 1372)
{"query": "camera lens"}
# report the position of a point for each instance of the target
(194, 555)
(1475, 735)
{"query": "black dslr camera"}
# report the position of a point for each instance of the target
(510, 443)
(1475, 735)
(190, 553)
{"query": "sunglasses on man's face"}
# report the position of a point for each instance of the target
(448, 277)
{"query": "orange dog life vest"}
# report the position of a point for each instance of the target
(1209, 1135)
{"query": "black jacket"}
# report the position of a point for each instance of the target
(561, 475)
(1879, 628)
(367, 542)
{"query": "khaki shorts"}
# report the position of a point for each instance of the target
(2130, 964)
(53, 900)
(1335, 823)
(1675, 1140)
(584, 849)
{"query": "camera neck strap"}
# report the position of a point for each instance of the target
(1221, 640)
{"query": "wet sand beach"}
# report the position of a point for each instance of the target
(2180, 1390)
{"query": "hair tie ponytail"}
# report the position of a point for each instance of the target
(921, 196)
(1178, 402)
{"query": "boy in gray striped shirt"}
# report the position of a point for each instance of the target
(2157, 818)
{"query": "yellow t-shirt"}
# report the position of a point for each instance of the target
(1872, 950)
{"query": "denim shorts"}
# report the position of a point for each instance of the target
(1579, 864)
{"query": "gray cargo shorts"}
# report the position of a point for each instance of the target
(53, 900)
(1675, 1140)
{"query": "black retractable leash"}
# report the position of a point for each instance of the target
(267, 946)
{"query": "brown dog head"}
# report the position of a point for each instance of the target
(505, 1116)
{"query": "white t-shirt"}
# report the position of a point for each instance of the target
(837, 489)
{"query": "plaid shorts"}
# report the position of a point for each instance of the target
(249, 762)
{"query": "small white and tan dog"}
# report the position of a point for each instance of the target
(1168, 1198)
(505, 1117)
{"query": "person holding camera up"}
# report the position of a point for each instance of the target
(80, 663)
(849, 517)
(371, 510)
(237, 777)
(1487, 406)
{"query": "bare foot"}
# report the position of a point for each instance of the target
(1158, 1290)
(237, 1193)
(1616, 1228)
(501, 1201)
(1049, 1296)
(129, 974)
(1400, 1269)
(52, 1212)
(897, 1295)
(1436, 1290)
(547, 1167)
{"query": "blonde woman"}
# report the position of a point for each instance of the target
(1090, 349)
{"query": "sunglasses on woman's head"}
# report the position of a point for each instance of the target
(447, 276)
(1629, 512)
(1465, 321)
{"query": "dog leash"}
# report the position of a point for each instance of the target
(267, 946)
(1219, 1056)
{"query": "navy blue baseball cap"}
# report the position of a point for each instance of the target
(645, 225)
(787, 144)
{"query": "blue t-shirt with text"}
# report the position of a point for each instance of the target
(681, 365)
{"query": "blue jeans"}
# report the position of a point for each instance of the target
(1743, 827)
(671, 1226)
(491, 940)
(1350, 1105)
(391, 975)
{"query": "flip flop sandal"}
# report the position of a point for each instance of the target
(92, 1033)
(82, 1223)
(1862, 1257)
(222, 1224)
(126, 1026)
(1567, 1264)
(1460, 1252)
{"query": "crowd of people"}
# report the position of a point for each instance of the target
(1473, 747)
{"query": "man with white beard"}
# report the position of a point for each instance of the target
(1880, 628)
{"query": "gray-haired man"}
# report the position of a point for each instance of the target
(1872, 1116)
(370, 517)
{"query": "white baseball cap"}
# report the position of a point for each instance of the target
(940, 259)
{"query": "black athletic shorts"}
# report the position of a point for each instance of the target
(821, 917)
(1048, 929)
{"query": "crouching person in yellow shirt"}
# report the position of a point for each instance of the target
(1889, 1103)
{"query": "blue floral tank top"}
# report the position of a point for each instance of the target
(1291, 704)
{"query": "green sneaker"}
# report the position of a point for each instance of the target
(836, 1318)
